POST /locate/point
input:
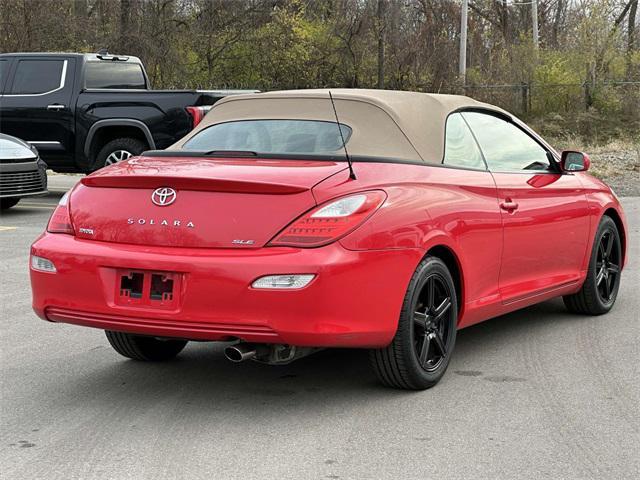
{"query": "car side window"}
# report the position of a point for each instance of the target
(460, 148)
(505, 146)
(37, 76)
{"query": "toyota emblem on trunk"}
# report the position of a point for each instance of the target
(163, 196)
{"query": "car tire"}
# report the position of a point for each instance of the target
(429, 316)
(148, 349)
(600, 288)
(117, 150)
(6, 203)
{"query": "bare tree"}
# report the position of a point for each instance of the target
(381, 29)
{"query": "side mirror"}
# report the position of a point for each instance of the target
(572, 161)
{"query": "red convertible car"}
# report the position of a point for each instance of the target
(292, 221)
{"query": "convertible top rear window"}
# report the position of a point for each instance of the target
(271, 136)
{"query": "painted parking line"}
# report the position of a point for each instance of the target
(37, 204)
(5, 229)
(31, 207)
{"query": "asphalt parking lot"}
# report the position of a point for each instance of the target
(539, 393)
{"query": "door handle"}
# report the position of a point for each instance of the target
(56, 107)
(509, 205)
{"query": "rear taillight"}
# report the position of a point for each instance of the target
(60, 221)
(330, 221)
(198, 113)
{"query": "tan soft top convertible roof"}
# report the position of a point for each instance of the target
(384, 123)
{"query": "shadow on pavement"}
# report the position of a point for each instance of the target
(203, 378)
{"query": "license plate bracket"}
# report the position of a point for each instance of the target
(150, 289)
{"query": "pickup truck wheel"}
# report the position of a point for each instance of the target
(149, 349)
(117, 150)
(6, 203)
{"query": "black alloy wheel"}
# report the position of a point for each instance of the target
(608, 266)
(432, 322)
(421, 349)
(600, 289)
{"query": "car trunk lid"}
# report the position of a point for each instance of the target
(209, 203)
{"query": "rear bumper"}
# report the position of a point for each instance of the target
(354, 301)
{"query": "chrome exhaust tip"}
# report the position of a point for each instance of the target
(240, 352)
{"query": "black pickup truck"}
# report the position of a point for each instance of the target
(85, 111)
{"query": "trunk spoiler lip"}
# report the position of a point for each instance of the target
(216, 154)
(192, 183)
(313, 157)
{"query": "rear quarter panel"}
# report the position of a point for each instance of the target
(429, 206)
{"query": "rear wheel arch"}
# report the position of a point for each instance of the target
(451, 260)
(104, 131)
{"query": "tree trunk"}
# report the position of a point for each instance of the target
(601, 65)
(80, 14)
(555, 32)
(381, 28)
(631, 37)
(80, 9)
(26, 10)
(504, 21)
(125, 25)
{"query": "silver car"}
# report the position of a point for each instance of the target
(22, 172)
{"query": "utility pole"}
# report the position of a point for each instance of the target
(534, 18)
(463, 43)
